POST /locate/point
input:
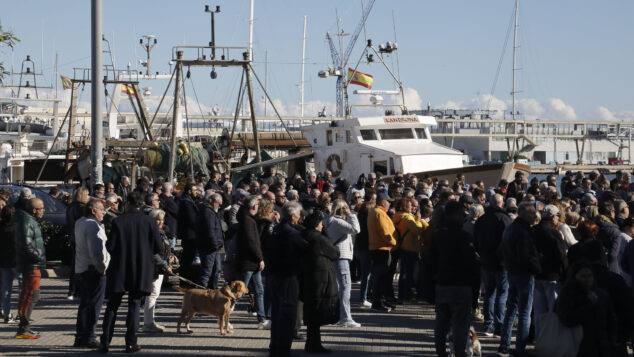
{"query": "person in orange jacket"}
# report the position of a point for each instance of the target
(381, 242)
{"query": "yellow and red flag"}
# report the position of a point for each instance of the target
(362, 79)
(126, 89)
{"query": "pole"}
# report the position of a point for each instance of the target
(254, 124)
(213, 36)
(301, 102)
(251, 32)
(96, 137)
(177, 94)
(266, 76)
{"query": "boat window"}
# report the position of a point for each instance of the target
(338, 136)
(392, 171)
(329, 137)
(348, 137)
(394, 134)
(368, 134)
(380, 167)
(420, 133)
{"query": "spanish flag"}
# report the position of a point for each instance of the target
(66, 82)
(126, 89)
(362, 79)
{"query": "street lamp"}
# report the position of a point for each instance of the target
(212, 44)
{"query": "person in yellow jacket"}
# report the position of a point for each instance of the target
(410, 228)
(381, 241)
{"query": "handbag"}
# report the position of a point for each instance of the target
(555, 339)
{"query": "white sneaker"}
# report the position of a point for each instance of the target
(230, 326)
(366, 303)
(266, 325)
(350, 324)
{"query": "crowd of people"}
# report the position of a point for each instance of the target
(524, 248)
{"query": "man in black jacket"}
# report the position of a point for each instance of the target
(516, 185)
(30, 258)
(521, 261)
(249, 257)
(133, 242)
(552, 254)
(286, 249)
(488, 233)
(609, 234)
(210, 240)
(169, 205)
(187, 213)
(453, 263)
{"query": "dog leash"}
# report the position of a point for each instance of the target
(190, 282)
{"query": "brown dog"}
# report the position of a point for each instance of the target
(211, 302)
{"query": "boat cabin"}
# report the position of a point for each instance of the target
(384, 144)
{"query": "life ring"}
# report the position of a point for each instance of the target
(336, 170)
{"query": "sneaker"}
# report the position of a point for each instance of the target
(503, 352)
(27, 334)
(489, 332)
(350, 324)
(366, 303)
(9, 319)
(266, 325)
(230, 326)
(153, 328)
(70, 297)
(381, 308)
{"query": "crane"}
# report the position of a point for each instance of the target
(340, 63)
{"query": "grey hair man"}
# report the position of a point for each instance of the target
(91, 262)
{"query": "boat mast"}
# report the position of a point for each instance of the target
(96, 129)
(301, 85)
(250, 33)
(514, 57)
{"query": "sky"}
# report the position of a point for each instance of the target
(574, 56)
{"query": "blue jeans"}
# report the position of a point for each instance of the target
(496, 289)
(545, 294)
(210, 266)
(6, 285)
(259, 290)
(406, 278)
(342, 267)
(365, 264)
(453, 309)
(520, 302)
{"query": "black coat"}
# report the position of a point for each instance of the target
(551, 249)
(7, 245)
(74, 212)
(610, 235)
(170, 207)
(488, 232)
(133, 242)
(597, 319)
(248, 247)
(287, 247)
(209, 238)
(453, 257)
(519, 253)
(187, 213)
(321, 296)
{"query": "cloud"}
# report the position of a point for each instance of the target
(556, 109)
